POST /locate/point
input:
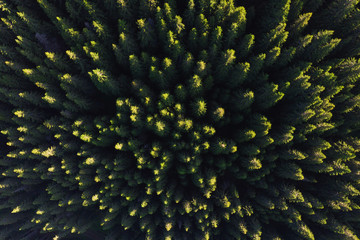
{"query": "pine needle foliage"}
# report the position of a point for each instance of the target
(166, 119)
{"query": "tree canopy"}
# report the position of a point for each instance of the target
(166, 119)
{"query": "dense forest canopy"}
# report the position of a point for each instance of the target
(174, 119)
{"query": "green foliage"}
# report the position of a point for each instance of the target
(196, 119)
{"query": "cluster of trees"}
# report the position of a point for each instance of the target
(165, 119)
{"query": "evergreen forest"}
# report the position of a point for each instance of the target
(179, 119)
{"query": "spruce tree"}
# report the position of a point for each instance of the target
(149, 119)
